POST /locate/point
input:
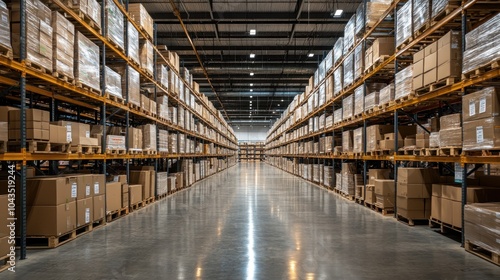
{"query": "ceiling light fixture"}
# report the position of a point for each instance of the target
(281, 100)
(253, 32)
(252, 55)
(338, 13)
(251, 85)
(251, 96)
(310, 55)
(251, 73)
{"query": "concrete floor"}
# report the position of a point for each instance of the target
(255, 221)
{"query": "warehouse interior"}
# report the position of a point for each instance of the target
(217, 139)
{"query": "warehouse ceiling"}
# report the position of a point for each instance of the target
(287, 33)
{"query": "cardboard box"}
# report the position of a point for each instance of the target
(85, 186)
(389, 144)
(384, 187)
(99, 203)
(446, 55)
(436, 207)
(481, 104)
(99, 182)
(414, 214)
(135, 194)
(421, 204)
(142, 178)
(57, 134)
(76, 131)
(384, 201)
(422, 143)
(430, 62)
(377, 174)
(430, 49)
(50, 191)
(416, 175)
(451, 137)
(456, 214)
(410, 141)
(414, 190)
(4, 246)
(31, 134)
(31, 115)
(482, 134)
(51, 220)
(430, 77)
(4, 214)
(437, 190)
(418, 56)
(418, 81)
(113, 196)
(446, 211)
(4, 112)
(84, 209)
(120, 178)
(382, 46)
(418, 68)
(370, 194)
(125, 199)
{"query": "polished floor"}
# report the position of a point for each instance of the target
(255, 221)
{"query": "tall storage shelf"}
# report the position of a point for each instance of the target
(183, 134)
(328, 126)
(251, 151)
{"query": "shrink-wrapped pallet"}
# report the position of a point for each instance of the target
(371, 100)
(87, 71)
(337, 80)
(348, 107)
(172, 143)
(162, 75)
(481, 134)
(404, 29)
(360, 20)
(421, 13)
(349, 70)
(386, 94)
(481, 222)
(338, 50)
(329, 61)
(4, 27)
(114, 24)
(439, 6)
(146, 56)
(434, 140)
(115, 142)
(359, 100)
(181, 143)
(359, 55)
(337, 116)
(113, 83)
(90, 8)
(357, 136)
(63, 45)
(134, 85)
(349, 33)
(403, 82)
(375, 10)
(163, 140)
(133, 43)
(149, 137)
(141, 17)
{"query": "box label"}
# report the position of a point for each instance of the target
(472, 108)
(87, 190)
(479, 134)
(458, 173)
(74, 188)
(87, 134)
(68, 133)
(96, 188)
(87, 215)
(482, 105)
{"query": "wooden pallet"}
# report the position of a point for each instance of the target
(137, 206)
(481, 252)
(380, 153)
(32, 146)
(450, 7)
(482, 69)
(404, 43)
(114, 98)
(113, 215)
(50, 242)
(437, 85)
(134, 106)
(135, 151)
(136, 63)
(110, 40)
(450, 151)
(381, 59)
(422, 29)
(116, 151)
(85, 149)
(412, 222)
(99, 223)
(383, 211)
(149, 201)
(419, 152)
(359, 200)
(481, 153)
(84, 17)
(6, 52)
(443, 227)
(37, 67)
(149, 152)
(88, 88)
(4, 263)
(402, 99)
(63, 77)
(405, 152)
(432, 151)
(162, 196)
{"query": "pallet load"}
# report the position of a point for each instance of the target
(403, 82)
(38, 34)
(115, 144)
(146, 57)
(482, 46)
(89, 10)
(381, 49)
(149, 138)
(480, 112)
(98, 189)
(134, 84)
(347, 179)
(87, 73)
(386, 95)
(375, 134)
(384, 194)
(114, 24)
(414, 193)
(162, 185)
(5, 42)
(37, 125)
(162, 75)
(142, 18)
(135, 140)
(145, 178)
(481, 236)
(63, 45)
(349, 30)
(449, 57)
(421, 14)
(113, 83)
(374, 174)
(80, 137)
(450, 133)
(133, 43)
(348, 70)
(404, 28)
(84, 200)
(374, 10)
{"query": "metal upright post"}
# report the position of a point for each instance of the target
(103, 86)
(155, 75)
(396, 122)
(464, 199)
(127, 113)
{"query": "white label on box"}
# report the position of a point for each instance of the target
(74, 189)
(482, 105)
(87, 215)
(479, 134)
(87, 190)
(68, 133)
(87, 134)
(116, 179)
(96, 188)
(472, 108)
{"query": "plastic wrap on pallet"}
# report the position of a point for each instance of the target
(481, 222)
(114, 23)
(172, 143)
(321, 72)
(113, 83)
(349, 70)
(482, 45)
(141, 17)
(115, 142)
(134, 86)
(359, 100)
(338, 50)
(337, 80)
(86, 62)
(439, 6)
(434, 140)
(481, 104)
(482, 134)
(450, 121)
(328, 61)
(133, 43)
(149, 137)
(63, 45)
(338, 181)
(371, 100)
(162, 183)
(146, 56)
(359, 55)
(38, 33)
(348, 186)
(357, 136)
(348, 107)
(337, 116)
(404, 27)
(347, 141)
(421, 13)
(93, 11)
(162, 75)
(360, 19)
(386, 94)
(349, 33)
(162, 140)
(181, 142)
(4, 26)
(403, 82)
(375, 10)
(451, 137)
(329, 121)
(322, 94)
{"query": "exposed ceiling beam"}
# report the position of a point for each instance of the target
(298, 10)
(243, 35)
(163, 41)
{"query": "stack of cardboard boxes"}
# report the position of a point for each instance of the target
(78, 133)
(141, 17)
(5, 41)
(481, 223)
(86, 63)
(37, 125)
(4, 230)
(90, 8)
(114, 24)
(450, 133)
(373, 175)
(146, 56)
(414, 192)
(63, 45)
(384, 194)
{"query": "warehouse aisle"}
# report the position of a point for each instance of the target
(255, 221)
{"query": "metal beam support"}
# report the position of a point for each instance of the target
(414, 120)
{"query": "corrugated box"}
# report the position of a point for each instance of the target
(51, 220)
(99, 210)
(481, 104)
(135, 194)
(482, 134)
(84, 211)
(113, 196)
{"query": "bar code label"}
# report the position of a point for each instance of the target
(87, 190)
(96, 188)
(472, 108)
(482, 105)
(74, 188)
(87, 215)
(479, 134)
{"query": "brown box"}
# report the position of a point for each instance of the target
(436, 207)
(481, 104)
(422, 143)
(430, 49)
(389, 144)
(414, 214)
(125, 199)
(456, 214)
(449, 69)
(421, 204)
(414, 190)
(418, 68)
(34, 134)
(4, 214)
(57, 134)
(384, 187)
(85, 186)
(384, 201)
(416, 175)
(84, 210)
(370, 194)
(31, 115)
(120, 178)
(482, 134)
(382, 46)
(4, 246)
(142, 178)
(446, 54)
(377, 174)
(76, 131)
(418, 56)
(430, 77)
(4, 112)
(418, 81)
(430, 62)
(51, 220)
(113, 196)
(446, 211)
(98, 186)
(451, 137)
(410, 141)
(135, 194)
(50, 191)
(99, 210)
(437, 190)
